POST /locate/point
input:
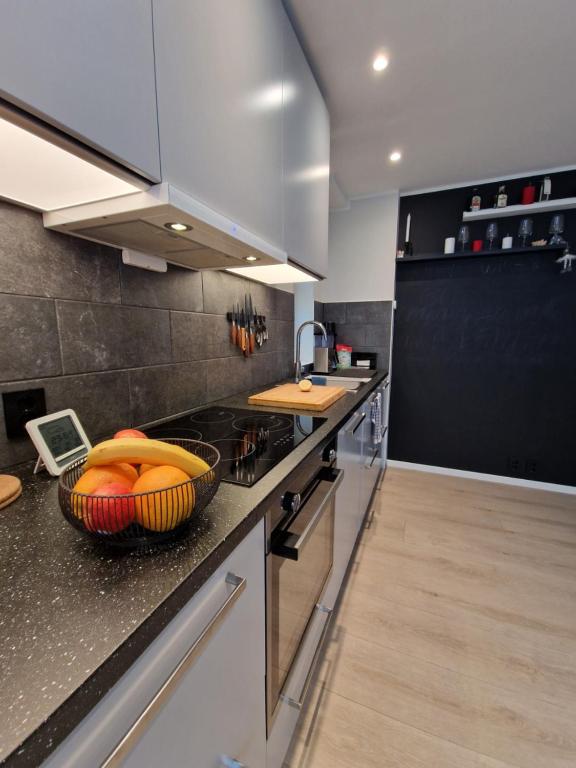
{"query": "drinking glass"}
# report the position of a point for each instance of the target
(525, 230)
(491, 233)
(556, 230)
(463, 236)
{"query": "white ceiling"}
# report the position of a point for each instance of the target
(475, 89)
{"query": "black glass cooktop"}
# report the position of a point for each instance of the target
(250, 442)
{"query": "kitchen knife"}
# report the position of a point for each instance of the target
(258, 329)
(242, 332)
(248, 326)
(251, 326)
(234, 328)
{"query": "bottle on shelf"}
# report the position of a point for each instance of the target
(546, 188)
(528, 194)
(501, 197)
(476, 200)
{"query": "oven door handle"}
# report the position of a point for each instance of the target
(290, 544)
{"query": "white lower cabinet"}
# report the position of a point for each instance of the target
(214, 714)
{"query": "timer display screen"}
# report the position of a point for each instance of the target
(61, 436)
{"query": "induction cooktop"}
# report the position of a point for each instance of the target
(250, 442)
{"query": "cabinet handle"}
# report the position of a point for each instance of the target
(299, 703)
(353, 429)
(137, 730)
(290, 545)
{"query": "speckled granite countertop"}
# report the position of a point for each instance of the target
(74, 617)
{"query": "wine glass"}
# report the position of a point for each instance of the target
(464, 236)
(556, 230)
(525, 230)
(491, 233)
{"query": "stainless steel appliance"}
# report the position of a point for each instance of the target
(299, 557)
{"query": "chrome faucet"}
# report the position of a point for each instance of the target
(297, 363)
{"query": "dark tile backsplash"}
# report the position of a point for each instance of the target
(365, 325)
(121, 346)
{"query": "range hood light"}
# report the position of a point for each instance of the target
(176, 226)
(275, 274)
(251, 257)
(40, 171)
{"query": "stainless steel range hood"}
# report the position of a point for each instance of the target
(140, 222)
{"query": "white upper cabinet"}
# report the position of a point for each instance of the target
(219, 82)
(88, 68)
(306, 160)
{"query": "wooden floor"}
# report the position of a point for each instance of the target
(455, 645)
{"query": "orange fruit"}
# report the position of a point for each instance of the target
(107, 473)
(129, 470)
(145, 468)
(165, 506)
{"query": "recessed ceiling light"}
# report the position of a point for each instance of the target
(380, 62)
(251, 258)
(176, 226)
(395, 156)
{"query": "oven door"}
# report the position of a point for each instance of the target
(298, 567)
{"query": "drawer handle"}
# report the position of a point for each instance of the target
(137, 730)
(299, 703)
(353, 429)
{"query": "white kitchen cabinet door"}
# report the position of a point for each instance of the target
(88, 68)
(217, 709)
(219, 81)
(306, 160)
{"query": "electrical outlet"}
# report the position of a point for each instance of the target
(20, 407)
(531, 467)
(513, 465)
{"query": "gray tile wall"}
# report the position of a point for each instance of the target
(120, 345)
(365, 325)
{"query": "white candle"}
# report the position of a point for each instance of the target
(407, 238)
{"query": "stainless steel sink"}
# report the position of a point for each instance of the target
(347, 382)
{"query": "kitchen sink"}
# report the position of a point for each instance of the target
(347, 382)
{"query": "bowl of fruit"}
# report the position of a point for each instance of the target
(135, 492)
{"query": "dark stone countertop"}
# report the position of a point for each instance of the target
(74, 617)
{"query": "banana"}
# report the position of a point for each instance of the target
(134, 450)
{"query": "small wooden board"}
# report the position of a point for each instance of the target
(291, 396)
(10, 490)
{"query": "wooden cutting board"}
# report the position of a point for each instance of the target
(290, 396)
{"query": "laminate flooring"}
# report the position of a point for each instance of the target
(455, 642)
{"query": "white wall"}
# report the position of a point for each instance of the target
(362, 251)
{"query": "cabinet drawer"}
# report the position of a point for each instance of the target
(217, 707)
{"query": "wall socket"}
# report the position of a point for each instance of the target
(20, 407)
(513, 465)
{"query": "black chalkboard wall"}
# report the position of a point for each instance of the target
(484, 357)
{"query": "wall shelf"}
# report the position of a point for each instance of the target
(562, 204)
(480, 254)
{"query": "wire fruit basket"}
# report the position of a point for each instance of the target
(141, 520)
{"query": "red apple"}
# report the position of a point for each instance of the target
(129, 433)
(110, 515)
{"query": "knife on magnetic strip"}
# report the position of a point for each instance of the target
(251, 326)
(242, 339)
(234, 328)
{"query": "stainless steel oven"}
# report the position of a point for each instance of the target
(299, 556)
